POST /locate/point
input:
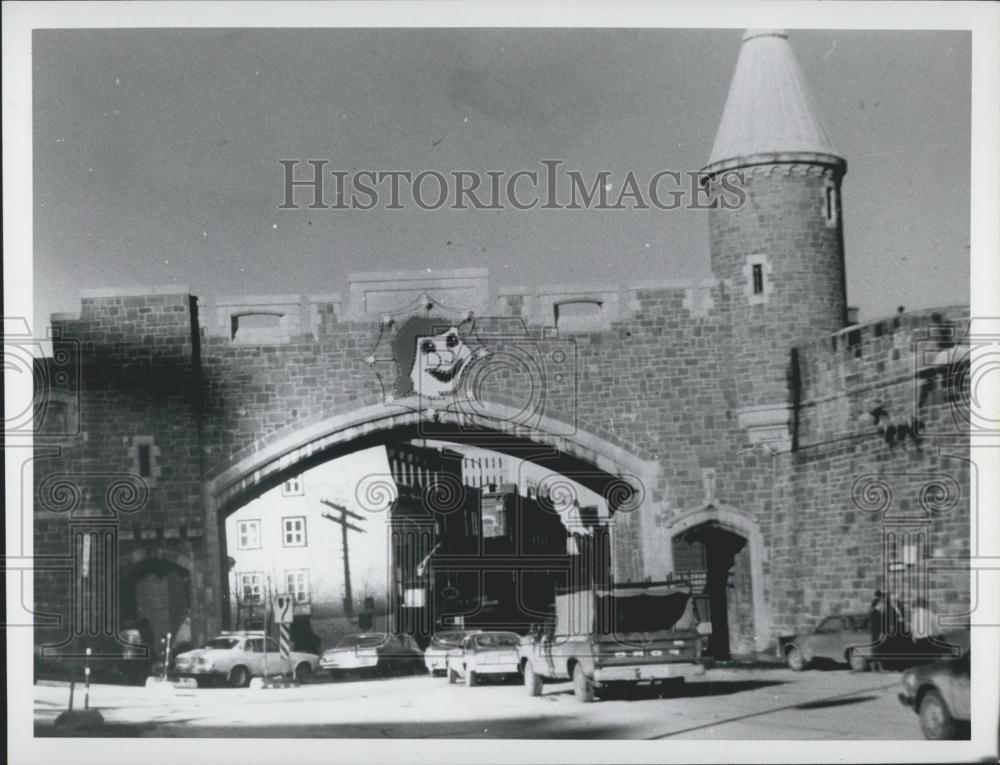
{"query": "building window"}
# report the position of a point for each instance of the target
(831, 204)
(758, 284)
(251, 588)
(297, 585)
(145, 460)
(292, 487)
(248, 535)
(145, 454)
(294, 531)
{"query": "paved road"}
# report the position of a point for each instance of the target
(725, 704)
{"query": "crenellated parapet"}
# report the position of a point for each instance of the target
(280, 319)
(899, 376)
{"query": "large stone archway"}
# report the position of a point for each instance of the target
(261, 465)
(628, 482)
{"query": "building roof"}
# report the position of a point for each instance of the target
(769, 109)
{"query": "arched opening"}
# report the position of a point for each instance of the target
(155, 598)
(448, 536)
(720, 552)
(709, 556)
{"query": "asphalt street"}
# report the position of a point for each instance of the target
(727, 703)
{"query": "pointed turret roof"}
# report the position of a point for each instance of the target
(769, 110)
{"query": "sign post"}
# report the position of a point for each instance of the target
(283, 616)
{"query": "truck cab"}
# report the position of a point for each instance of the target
(617, 635)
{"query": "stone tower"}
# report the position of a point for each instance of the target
(780, 254)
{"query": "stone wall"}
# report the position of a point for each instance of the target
(137, 388)
(650, 387)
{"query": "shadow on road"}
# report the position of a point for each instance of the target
(112, 730)
(686, 691)
(510, 727)
(825, 703)
(829, 701)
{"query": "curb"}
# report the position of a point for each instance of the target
(260, 683)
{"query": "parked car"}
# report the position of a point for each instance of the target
(837, 638)
(484, 654)
(235, 657)
(372, 653)
(939, 693)
(847, 638)
(436, 655)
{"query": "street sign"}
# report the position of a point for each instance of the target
(283, 611)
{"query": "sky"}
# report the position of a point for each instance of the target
(156, 154)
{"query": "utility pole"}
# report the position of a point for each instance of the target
(344, 526)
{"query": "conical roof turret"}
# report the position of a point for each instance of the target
(769, 114)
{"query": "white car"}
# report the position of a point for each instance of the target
(235, 657)
(436, 655)
(485, 654)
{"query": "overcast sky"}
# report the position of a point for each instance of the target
(156, 153)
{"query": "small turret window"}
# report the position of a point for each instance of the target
(757, 272)
(831, 204)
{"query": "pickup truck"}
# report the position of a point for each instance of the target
(626, 634)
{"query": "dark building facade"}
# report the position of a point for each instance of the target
(471, 556)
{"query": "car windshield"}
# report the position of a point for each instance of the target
(449, 638)
(353, 641)
(504, 639)
(223, 644)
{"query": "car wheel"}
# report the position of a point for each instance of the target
(796, 661)
(239, 677)
(583, 687)
(303, 673)
(452, 676)
(532, 681)
(936, 721)
(470, 677)
(857, 662)
(334, 674)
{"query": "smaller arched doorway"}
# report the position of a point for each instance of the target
(720, 551)
(720, 574)
(155, 598)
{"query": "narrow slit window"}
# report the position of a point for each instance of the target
(831, 204)
(145, 461)
(757, 274)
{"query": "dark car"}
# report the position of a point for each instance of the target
(372, 653)
(939, 693)
(837, 638)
